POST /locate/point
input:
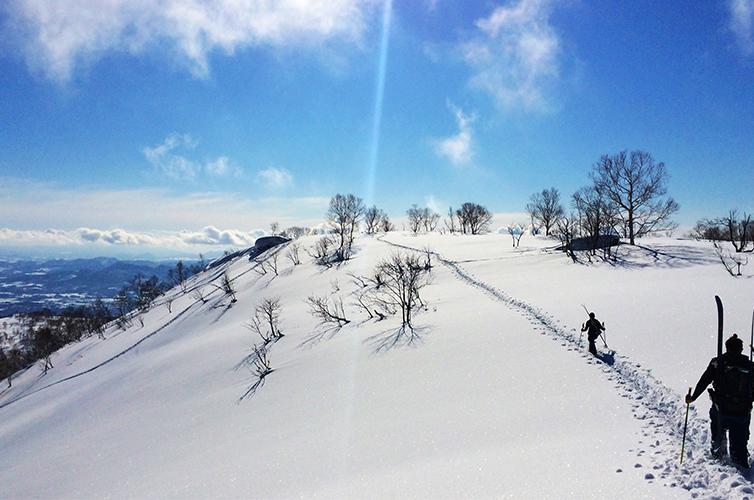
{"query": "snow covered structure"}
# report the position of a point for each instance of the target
(260, 245)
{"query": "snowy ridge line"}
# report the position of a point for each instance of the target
(100, 365)
(197, 284)
(199, 281)
(655, 404)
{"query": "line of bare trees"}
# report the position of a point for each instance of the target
(627, 198)
(734, 229)
(41, 333)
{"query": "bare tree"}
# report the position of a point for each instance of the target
(266, 319)
(343, 216)
(566, 232)
(545, 209)
(272, 261)
(179, 275)
(414, 215)
(516, 231)
(739, 232)
(326, 311)
(402, 276)
(385, 225)
(293, 253)
(227, 287)
(145, 290)
(473, 218)
(635, 184)
(730, 260)
(422, 219)
(430, 219)
(274, 228)
(706, 229)
(199, 266)
(123, 305)
(199, 295)
(295, 232)
(450, 222)
(596, 215)
(374, 220)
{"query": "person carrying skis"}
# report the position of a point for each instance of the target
(731, 403)
(594, 328)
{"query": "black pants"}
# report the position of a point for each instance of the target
(592, 346)
(738, 435)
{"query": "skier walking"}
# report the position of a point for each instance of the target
(594, 328)
(731, 401)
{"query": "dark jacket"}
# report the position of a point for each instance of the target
(728, 404)
(594, 328)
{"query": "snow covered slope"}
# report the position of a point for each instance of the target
(493, 397)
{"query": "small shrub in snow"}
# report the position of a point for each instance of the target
(266, 319)
(327, 311)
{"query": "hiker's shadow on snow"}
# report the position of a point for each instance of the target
(393, 339)
(607, 357)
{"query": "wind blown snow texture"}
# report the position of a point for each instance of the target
(493, 396)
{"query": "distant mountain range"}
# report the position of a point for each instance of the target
(27, 285)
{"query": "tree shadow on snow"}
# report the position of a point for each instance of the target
(326, 332)
(405, 336)
(252, 390)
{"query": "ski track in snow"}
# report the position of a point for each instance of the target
(661, 411)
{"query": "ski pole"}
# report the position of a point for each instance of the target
(751, 355)
(685, 424)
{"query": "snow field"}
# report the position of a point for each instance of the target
(492, 398)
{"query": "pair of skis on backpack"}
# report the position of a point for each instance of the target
(720, 454)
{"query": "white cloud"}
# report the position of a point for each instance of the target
(167, 162)
(170, 164)
(222, 167)
(458, 148)
(276, 177)
(742, 23)
(37, 206)
(58, 35)
(436, 205)
(516, 55)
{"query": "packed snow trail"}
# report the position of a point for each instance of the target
(662, 411)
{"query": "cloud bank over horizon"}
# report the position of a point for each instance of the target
(209, 236)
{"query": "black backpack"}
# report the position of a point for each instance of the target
(736, 389)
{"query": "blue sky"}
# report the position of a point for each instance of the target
(142, 123)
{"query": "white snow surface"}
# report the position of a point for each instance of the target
(492, 397)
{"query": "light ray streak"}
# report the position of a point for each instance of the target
(378, 103)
